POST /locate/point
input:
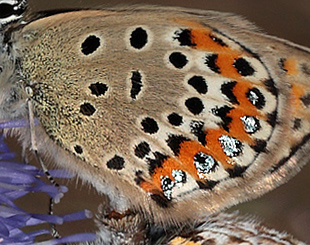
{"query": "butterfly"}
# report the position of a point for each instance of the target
(173, 113)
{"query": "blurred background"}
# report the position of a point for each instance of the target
(286, 208)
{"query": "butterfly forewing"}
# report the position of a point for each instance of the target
(168, 107)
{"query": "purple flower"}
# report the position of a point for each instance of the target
(17, 180)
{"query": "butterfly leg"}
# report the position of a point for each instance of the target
(34, 148)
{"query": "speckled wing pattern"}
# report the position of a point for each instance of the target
(166, 109)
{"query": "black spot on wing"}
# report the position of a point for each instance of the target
(98, 89)
(227, 89)
(259, 146)
(136, 84)
(156, 162)
(210, 61)
(218, 40)
(78, 149)
(90, 45)
(149, 125)
(272, 118)
(243, 67)
(256, 98)
(175, 119)
(222, 113)
(197, 129)
(271, 87)
(184, 37)
(297, 124)
(206, 184)
(174, 142)
(282, 64)
(305, 100)
(138, 38)
(139, 179)
(87, 109)
(199, 84)
(237, 171)
(161, 200)
(142, 149)
(178, 60)
(194, 105)
(116, 163)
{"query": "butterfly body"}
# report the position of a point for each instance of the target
(164, 109)
(221, 228)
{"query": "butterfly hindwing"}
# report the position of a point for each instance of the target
(176, 108)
